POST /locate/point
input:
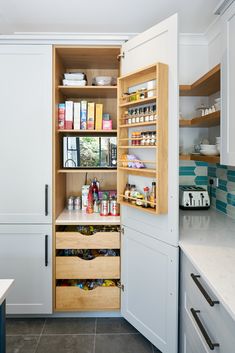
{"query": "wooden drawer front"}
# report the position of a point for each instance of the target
(100, 298)
(76, 240)
(75, 268)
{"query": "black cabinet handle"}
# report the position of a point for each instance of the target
(202, 329)
(203, 291)
(46, 200)
(46, 250)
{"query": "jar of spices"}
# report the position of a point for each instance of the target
(132, 193)
(133, 117)
(141, 112)
(153, 139)
(137, 115)
(146, 118)
(138, 138)
(142, 93)
(129, 116)
(151, 114)
(142, 142)
(126, 117)
(154, 112)
(133, 141)
(147, 139)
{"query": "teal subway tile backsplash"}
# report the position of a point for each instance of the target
(199, 173)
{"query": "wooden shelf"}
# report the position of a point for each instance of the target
(79, 217)
(138, 102)
(142, 147)
(142, 209)
(146, 123)
(205, 85)
(208, 120)
(89, 132)
(89, 91)
(200, 157)
(90, 170)
(139, 171)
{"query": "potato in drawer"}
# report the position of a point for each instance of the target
(75, 298)
(100, 267)
(76, 240)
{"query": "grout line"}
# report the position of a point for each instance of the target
(94, 347)
(39, 338)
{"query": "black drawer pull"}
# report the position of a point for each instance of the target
(46, 200)
(202, 329)
(46, 250)
(203, 291)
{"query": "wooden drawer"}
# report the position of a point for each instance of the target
(71, 267)
(76, 240)
(75, 298)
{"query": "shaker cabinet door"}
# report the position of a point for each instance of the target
(25, 133)
(228, 87)
(25, 256)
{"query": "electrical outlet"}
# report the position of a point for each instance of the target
(214, 182)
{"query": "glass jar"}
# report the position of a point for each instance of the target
(147, 139)
(154, 112)
(137, 115)
(142, 142)
(151, 118)
(146, 117)
(139, 200)
(141, 112)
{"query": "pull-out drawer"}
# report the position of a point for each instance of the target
(75, 298)
(100, 267)
(76, 240)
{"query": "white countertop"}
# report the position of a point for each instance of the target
(5, 285)
(208, 240)
(79, 217)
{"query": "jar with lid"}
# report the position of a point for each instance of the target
(146, 196)
(154, 112)
(138, 138)
(137, 115)
(129, 116)
(127, 193)
(142, 93)
(146, 118)
(126, 117)
(133, 117)
(141, 117)
(152, 196)
(139, 200)
(132, 193)
(153, 139)
(151, 117)
(147, 139)
(142, 142)
(133, 141)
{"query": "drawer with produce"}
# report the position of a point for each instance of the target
(88, 237)
(85, 295)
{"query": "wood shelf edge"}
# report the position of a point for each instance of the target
(212, 119)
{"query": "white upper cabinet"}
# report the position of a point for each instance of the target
(228, 87)
(25, 133)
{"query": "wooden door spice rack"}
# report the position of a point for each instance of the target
(159, 153)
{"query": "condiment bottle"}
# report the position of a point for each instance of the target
(132, 193)
(141, 111)
(152, 196)
(146, 196)
(127, 193)
(137, 116)
(133, 117)
(147, 139)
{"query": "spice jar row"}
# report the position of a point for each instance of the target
(140, 114)
(143, 138)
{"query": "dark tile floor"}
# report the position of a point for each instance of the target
(82, 335)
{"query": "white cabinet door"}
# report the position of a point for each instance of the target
(25, 133)
(158, 44)
(228, 87)
(150, 279)
(25, 256)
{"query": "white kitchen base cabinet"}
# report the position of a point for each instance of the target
(25, 256)
(215, 331)
(150, 296)
(25, 133)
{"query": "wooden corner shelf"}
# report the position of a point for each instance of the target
(200, 158)
(208, 120)
(89, 91)
(205, 85)
(82, 218)
(142, 209)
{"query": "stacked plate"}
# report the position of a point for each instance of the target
(209, 150)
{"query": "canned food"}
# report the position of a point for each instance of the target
(104, 208)
(70, 203)
(114, 208)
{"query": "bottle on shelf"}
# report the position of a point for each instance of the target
(152, 196)
(132, 193)
(127, 193)
(89, 208)
(146, 196)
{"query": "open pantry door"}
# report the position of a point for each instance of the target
(149, 241)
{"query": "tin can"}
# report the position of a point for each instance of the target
(114, 208)
(70, 203)
(77, 203)
(104, 208)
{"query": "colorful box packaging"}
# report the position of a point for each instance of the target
(68, 115)
(91, 116)
(76, 115)
(83, 124)
(61, 116)
(107, 125)
(98, 116)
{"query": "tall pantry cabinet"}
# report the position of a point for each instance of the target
(26, 176)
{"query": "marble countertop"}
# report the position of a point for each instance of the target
(208, 240)
(5, 285)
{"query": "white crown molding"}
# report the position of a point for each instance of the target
(192, 39)
(66, 38)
